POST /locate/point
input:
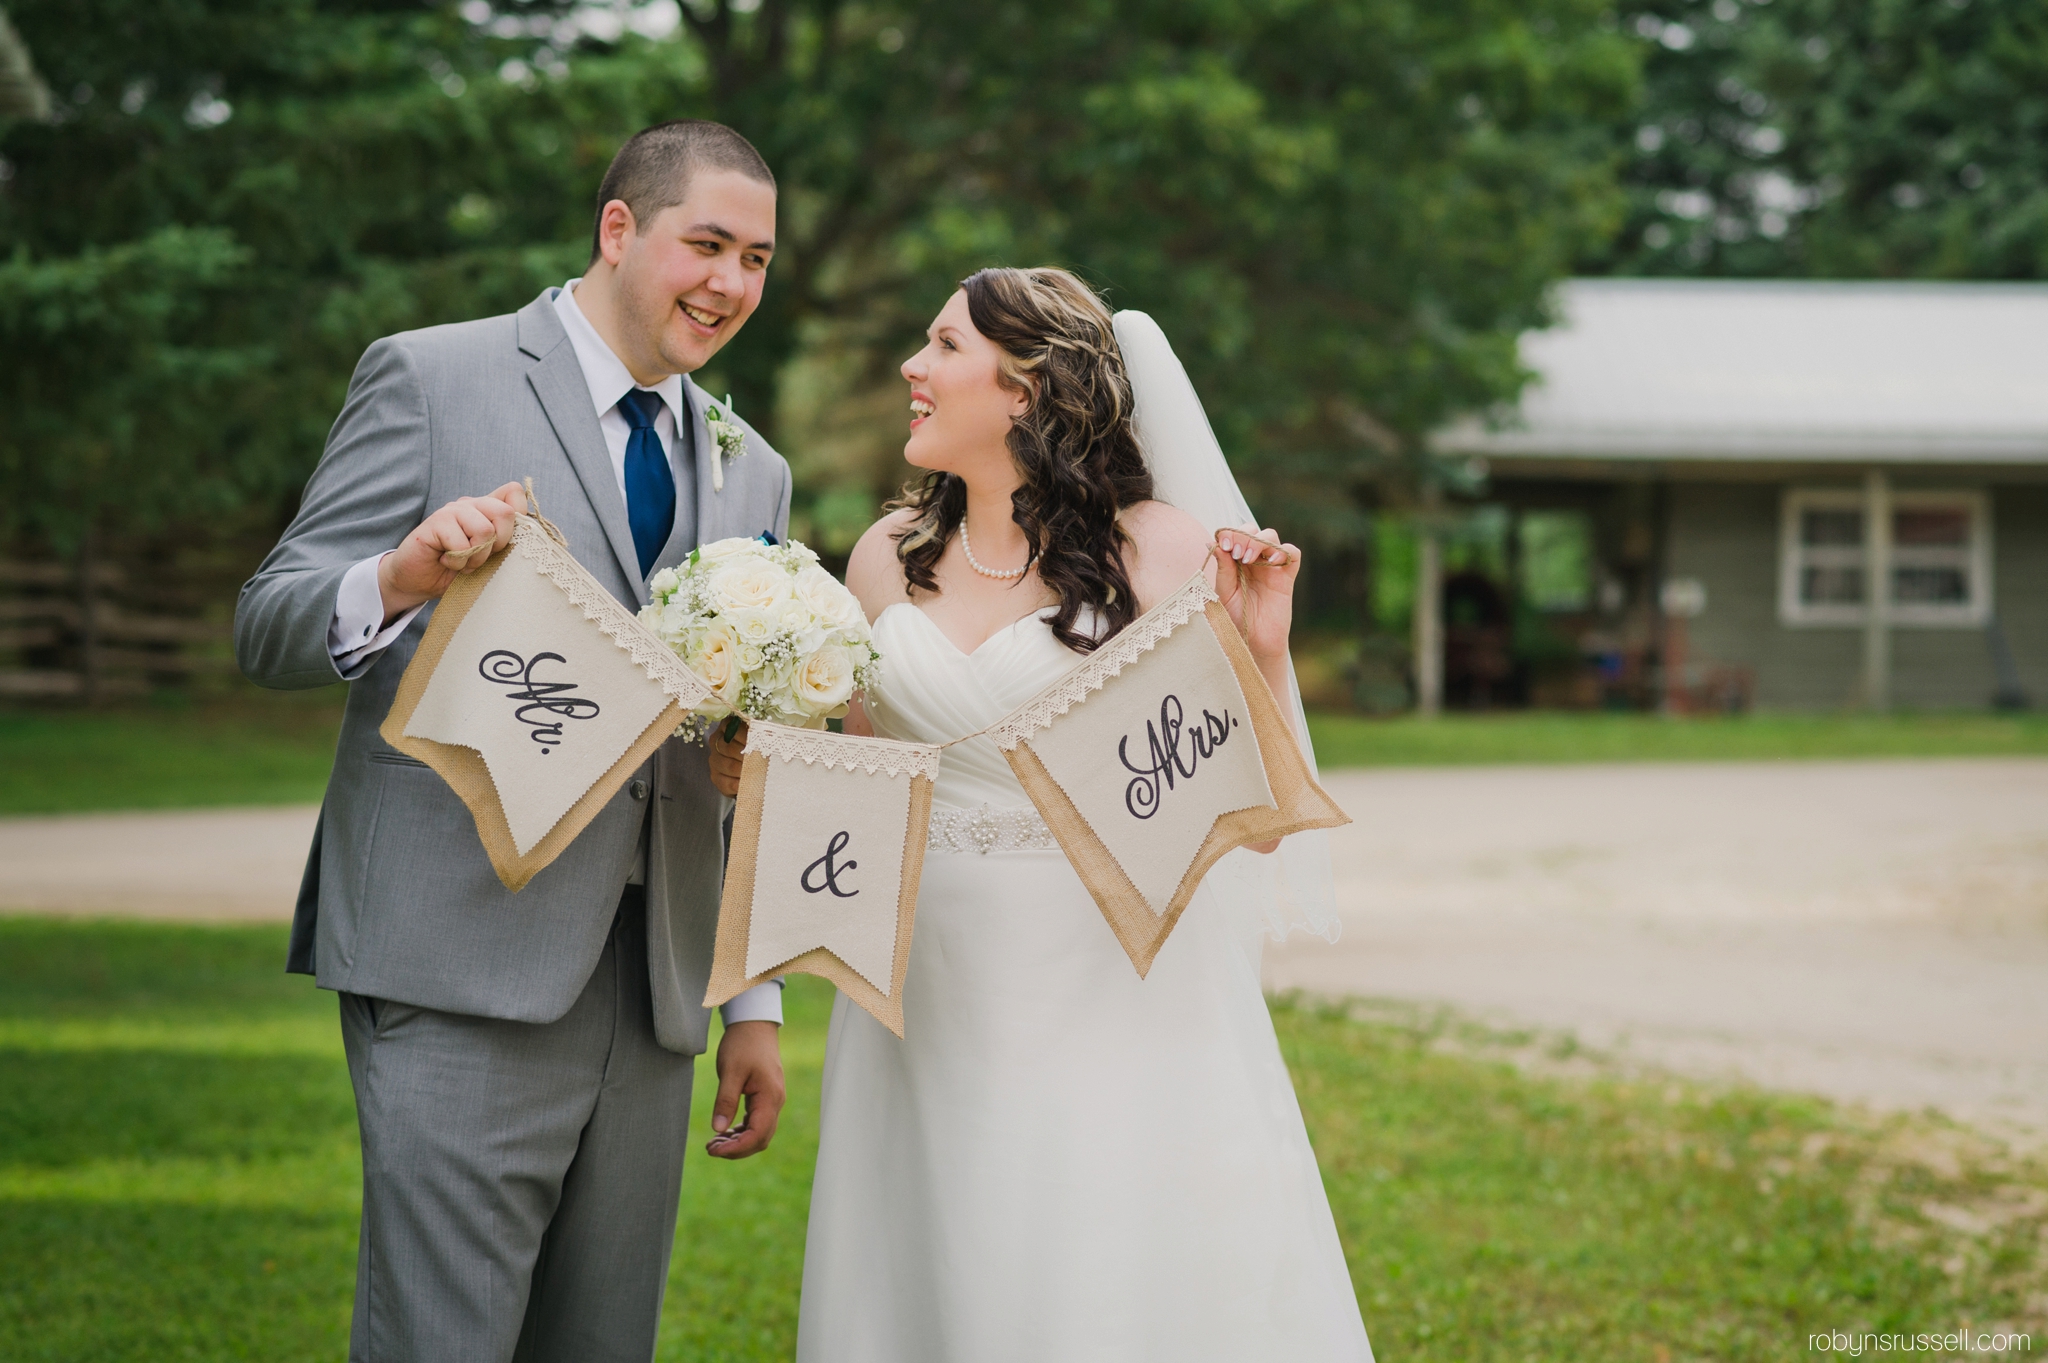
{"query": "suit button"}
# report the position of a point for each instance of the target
(638, 790)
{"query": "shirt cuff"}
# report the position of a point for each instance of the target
(762, 1003)
(354, 638)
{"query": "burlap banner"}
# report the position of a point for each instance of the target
(827, 847)
(535, 694)
(1155, 757)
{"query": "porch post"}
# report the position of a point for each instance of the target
(1429, 609)
(1877, 590)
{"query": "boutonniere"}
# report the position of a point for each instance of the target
(731, 438)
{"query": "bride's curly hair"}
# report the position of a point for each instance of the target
(1075, 449)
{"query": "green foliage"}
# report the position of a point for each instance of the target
(1344, 213)
(109, 333)
(230, 201)
(1891, 138)
(1557, 559)
(179, 1179)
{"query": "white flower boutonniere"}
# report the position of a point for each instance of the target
(731, 438)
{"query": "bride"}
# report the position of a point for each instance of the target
(1060, 1160)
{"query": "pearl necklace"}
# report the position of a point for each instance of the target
(975, 563)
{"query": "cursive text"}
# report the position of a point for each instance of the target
(542, 704)
(1174, 749)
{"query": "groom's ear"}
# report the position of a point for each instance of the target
(615, 229)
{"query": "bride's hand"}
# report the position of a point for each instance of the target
(1255, 575)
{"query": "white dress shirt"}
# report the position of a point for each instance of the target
(357, 634)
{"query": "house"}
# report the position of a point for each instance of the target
(1797, 494)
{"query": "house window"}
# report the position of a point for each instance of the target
(1940, 558)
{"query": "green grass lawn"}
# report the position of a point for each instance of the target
(1562, 736)
(251, 748)
(178, 1180)
(268, 748)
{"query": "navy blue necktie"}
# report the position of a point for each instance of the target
(650, 486)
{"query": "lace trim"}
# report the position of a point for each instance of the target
(870, 755)
(986, 830)
(1140, 637)
(551, 558)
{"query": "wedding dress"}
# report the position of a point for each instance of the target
(1059, 1161)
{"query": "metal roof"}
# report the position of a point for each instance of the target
(1747, 370)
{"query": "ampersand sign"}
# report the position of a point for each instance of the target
(826, 872)
(827, 847)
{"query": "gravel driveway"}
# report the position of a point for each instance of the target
(199, 863)
(1874, 931)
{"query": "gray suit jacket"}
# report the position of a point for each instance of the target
(399, 901)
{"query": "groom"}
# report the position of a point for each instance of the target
(522, 1063)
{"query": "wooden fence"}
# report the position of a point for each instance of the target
(68, 630)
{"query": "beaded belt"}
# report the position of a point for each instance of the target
(988, 830)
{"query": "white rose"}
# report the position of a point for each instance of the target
(835, 607)
(663, 582)
(752, 626)
(719, 550)
(826, 679)
(803, 629)
(750, 659)
(718, 664)
(795, 617)
(750, 583)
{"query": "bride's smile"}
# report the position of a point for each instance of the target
(961, 412)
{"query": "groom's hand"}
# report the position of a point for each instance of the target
(459, 538)
(749, 1063)
(727, 759)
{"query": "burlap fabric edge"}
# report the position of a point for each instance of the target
(464, 769)
(735, 908)
(1299, 804)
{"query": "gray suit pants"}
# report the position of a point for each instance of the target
(519, 1179)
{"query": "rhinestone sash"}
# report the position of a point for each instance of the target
(988, 829)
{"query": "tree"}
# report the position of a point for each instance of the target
(228, 203)
(1343, 212)
(1831, 138)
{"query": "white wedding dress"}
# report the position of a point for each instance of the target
(1060, 1161)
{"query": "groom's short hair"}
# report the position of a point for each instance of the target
(653, 170)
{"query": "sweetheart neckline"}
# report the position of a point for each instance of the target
(939, 629)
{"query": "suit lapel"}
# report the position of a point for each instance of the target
(557, 380)
(713, 519)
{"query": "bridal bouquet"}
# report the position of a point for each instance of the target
(773, 635)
